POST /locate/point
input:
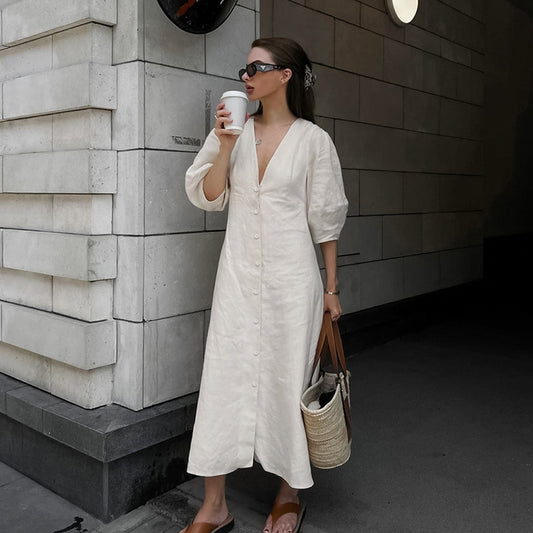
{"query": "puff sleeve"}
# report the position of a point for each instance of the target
(326, 202)
(194, 177)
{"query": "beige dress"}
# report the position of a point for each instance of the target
(267, 303)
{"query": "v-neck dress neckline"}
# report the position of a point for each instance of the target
(258, 179)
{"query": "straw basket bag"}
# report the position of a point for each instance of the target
(328, 427)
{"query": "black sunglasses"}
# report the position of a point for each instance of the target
(252, 69)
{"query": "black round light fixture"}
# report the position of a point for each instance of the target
(197, 16)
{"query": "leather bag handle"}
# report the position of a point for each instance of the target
(330, 333)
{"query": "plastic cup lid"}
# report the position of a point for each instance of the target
(239, 94)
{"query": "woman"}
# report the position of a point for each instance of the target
(283, 182)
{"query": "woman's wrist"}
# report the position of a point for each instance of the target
(331, 286)
(225, 149)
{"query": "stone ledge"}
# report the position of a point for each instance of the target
(138, 455)
(106, 433)
(29, 19)
(68, 172)
(25, 404)
(8, 384)
(83, 345)
(106, 490)
(82, 257)
(86, 85)
(111, 432)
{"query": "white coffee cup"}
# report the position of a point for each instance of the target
(237, 103)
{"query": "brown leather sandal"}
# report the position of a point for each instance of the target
(205, 527)
(285, 508)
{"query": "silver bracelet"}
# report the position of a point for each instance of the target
(332, 292)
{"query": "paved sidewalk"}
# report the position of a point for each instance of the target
(26, 506)
(443, 443)
(172, 511)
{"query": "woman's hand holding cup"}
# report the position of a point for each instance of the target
(225, 136)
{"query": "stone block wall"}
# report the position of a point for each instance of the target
(59, 174)
(106, 269)
(404, 106)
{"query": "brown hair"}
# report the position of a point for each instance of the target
(289, 54)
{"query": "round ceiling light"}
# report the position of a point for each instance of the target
(197, 16)
(402, 11)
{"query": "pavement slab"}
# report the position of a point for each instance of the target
(27, 506)
(8, 475)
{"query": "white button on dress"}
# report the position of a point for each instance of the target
(249, 407)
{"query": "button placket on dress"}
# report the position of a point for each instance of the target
(255, 319)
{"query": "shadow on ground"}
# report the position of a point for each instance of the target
(443, 439)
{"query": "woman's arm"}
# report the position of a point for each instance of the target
(331, 301)
(215, 180)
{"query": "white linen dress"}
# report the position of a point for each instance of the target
(267, 302)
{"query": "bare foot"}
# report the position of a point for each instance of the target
(210, 514)
(287, 522)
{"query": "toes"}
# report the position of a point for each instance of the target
(285, 525)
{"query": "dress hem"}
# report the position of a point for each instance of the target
(202, 473)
